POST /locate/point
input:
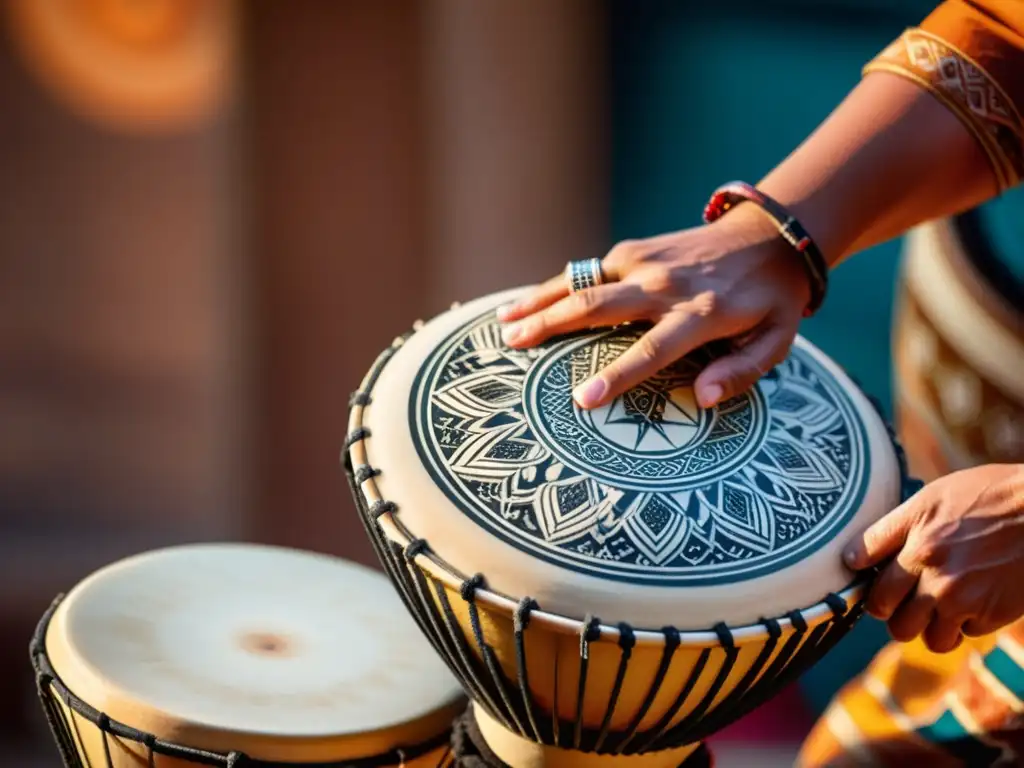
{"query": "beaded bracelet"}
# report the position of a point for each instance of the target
(732, 194)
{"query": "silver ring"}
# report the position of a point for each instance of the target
(586, 273)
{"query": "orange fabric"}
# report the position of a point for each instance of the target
(970, 55)
(911, 707)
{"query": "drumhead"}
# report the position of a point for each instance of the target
(246, 639)
(651, 511)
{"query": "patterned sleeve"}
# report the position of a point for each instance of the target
(970, 55)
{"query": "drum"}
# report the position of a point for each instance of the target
(612, 586)
(958, 344)
(240, 655)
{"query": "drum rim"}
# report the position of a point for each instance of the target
(356, 460)
(985, 275)
(50, 684)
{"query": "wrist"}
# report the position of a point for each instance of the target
(789, 228)
(814, 211)
(749, 230)
(747, 226)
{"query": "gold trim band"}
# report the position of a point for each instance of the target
(967, 89)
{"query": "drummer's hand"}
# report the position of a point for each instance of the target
(733, 278)
(959, 558)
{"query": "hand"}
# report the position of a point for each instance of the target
(733, 279)
(959, 558)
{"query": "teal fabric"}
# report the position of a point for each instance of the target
(707, 94)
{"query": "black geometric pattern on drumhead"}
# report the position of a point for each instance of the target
(652, 489)
(512, 701)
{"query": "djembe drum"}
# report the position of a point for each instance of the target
(240, 655)
(959, 345)
(612, 586)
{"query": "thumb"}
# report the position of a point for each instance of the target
(881, 540)
(737, 372)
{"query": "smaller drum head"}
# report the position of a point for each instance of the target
(651, 510)
(280, 654)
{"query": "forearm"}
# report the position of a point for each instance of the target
(889, 157)
(934, 128)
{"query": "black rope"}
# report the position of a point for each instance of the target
(469, 587)
(361, 399)
(627, 640)
(443, 640)
(357, 434)
(364, 473)
(743, 687)
(671, 643)
(837, 604)
(468, 591)
(796, 618)
(469, 663)
(382, 507)
(652, 737)
(682, 732)
(394, 569)
(520, 622)
(589, 633)
(414, 548)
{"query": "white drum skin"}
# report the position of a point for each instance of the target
(275, 653)
(660, 663)
(459, 541)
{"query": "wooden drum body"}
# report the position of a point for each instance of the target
(613, 586)
(240, 655)
(958, 341)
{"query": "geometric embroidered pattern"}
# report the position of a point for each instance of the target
(968, 90)
(651, 488)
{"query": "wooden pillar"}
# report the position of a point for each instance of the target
(517, 139)
(336, 236)
(405, 155)
(118, 302)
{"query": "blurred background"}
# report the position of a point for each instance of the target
(213, 215)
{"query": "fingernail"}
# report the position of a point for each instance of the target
(588, 393)
(504, 311)
(712, 394)
(511, 333)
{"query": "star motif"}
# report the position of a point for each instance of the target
(650, 408)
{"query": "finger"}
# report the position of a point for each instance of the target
(912, 617)
(881, 540)
(603, 305)
(543, 295)
(977, 627)
(892, 587)
(943, 634)
(737, 372)
(661, 346)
